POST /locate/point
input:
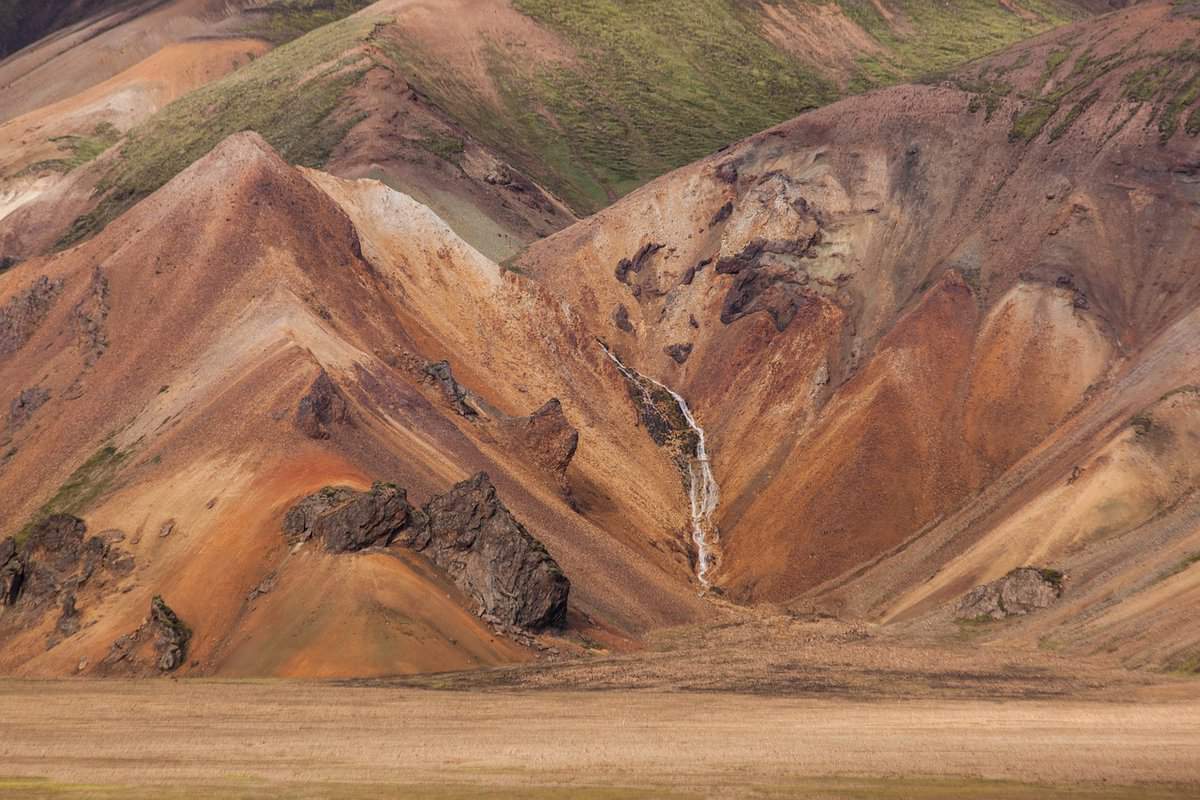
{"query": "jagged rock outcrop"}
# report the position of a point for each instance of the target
(171, 635)
(323, 407)
(458, 397)
(12, 572)
(679, 353)
(55, 562)
(635, 264)
(470, 534)
(162, 639)
(25, 404)
(547, 437)
(21, 315)
(1021, 591)
(346, 520)
(467, 532)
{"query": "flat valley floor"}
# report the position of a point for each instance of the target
(787, 709)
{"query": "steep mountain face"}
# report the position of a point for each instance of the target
(917, 322)
(509, 119)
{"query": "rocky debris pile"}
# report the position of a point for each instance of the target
(458, 397)
(1021, 591)
(467, 532)
(56, 561)
(548, 438)
(163, 633)
(322, 408)
(89, 317)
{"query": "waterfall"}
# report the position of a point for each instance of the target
(704, 494)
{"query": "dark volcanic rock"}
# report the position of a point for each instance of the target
(171, 635)
(21, 315)
(346, 520)
(635, 264)
(547, 436)
(457, 396)
(1021, 591)
(679, 352)
(12, 572)
(48, 571)
(25, 404)
(723, 213)
(621, 318)
(323, 407)
(299, 521)
(469, 533)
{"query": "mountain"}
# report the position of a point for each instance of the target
(939, 332)
(265, 417)
(507, 119)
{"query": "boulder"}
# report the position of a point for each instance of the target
(345, 520)
(470, 534)
(171, 635)
(1021, 591)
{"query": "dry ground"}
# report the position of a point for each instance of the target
(223, 739)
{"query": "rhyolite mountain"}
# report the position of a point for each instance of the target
(934, 335)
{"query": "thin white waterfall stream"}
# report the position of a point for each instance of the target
(704, 494)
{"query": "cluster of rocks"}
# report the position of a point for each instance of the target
(1021, 591)
(467, 532)
(56, 560)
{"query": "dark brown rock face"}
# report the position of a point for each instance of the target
(621, 318)
(322, 408)
(48, 571)
(635, 264)
(162, 639)
(456, 395)
(12, 572)
(171, 636)
(25, 404)
(679, 352)
(346, 520)
(1021, 591)
(21, 315)
(469, 533)
(547, 436)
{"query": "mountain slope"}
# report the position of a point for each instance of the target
(158, 370)
(898, 317)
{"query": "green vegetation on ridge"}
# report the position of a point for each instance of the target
(289, 96)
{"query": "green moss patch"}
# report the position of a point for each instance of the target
(86, 485)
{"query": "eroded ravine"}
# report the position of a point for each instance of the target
(703, 492)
